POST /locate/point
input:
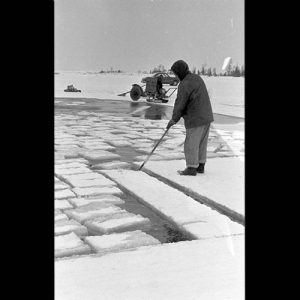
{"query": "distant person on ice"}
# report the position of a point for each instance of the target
(193, 105)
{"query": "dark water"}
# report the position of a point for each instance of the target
(152, 111)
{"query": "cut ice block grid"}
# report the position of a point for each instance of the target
(70, 244)
(99, 182)
(93, 211)
(118, 223)
(96, 191)
(78, 202)
(120, 241)
(64, 194)
(99, 156)
(111, 165)
(68, 226)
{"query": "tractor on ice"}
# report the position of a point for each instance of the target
(154, 90)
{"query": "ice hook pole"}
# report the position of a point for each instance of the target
(153, 149)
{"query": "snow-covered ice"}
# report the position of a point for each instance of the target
(98, 182)
(171, 203)
(67, 226)
(111, 165)
(59, 216)
(213, 227)
(78, 202)
(120, 241)
(99, 155)
(62, 204)
(122, 222)
(70, 171)
(67, 165)
(120, 143)
(60, 186)
(64, 194)
(71, 160)
(92, 211)
(96, 191)
(84, 176)
(222, 184)
(70, 244)
(206, 269)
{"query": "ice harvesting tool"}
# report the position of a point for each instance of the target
(153, 149)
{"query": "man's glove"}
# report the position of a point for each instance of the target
(171, 123)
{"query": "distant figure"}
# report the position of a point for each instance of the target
(193, 104)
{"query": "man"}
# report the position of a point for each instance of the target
(193, 104)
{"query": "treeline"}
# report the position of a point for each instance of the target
(110, 71)
(232, 70)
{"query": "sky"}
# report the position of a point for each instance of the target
(138, 35)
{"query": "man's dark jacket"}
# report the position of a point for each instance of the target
(192, 102)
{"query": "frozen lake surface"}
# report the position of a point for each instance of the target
(227, 93)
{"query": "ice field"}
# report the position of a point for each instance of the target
(107, 212)
(226, 93)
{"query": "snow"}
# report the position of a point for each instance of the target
(213, 228)
(120, 241)
(70, 160)
(153, 157)
(120, 143)
(111, 165)
(84, 176)
(98, 155)
(69, 165)
(91, 211)
(222, 184)
(98, 182)
(124, 221)
(62, 204)
(60, 186)
(69, 244)
(171, 203)
(60, 217)
(100, 147)
(64, 194)
(67, 226)
(206, 269)
(96, 191)
(78, 202)
(67, 171)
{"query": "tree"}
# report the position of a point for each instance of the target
(229, 69)
(236, 71)
(208, 72)
(242, 71)
(203, 71)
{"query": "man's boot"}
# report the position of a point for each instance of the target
(200, 169)
(189, 171)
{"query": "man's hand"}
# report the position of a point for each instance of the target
(171, 123)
